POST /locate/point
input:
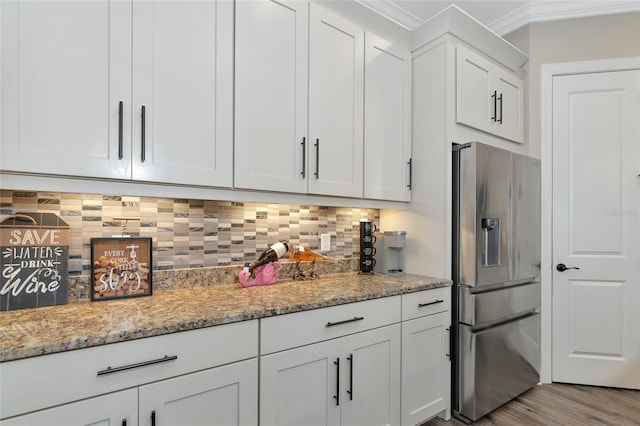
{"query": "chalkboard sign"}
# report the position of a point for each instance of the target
(34, 259)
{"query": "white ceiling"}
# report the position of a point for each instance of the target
(502, 16)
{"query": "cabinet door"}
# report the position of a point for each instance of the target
(183, 77)
(118, 408)
(222, 396)
(475, 105)
(271, 146)
(387, 131)
(510, 90)
(371, 377)
(336, 85)
(300, 386)
(488, 98)
(426, 377)
(66, 66)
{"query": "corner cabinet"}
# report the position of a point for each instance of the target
(332, 366)
(296, 61)
(181, 378)
(118, 89)
(488, 97)
(387, 122)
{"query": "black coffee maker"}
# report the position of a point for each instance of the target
(367, 247)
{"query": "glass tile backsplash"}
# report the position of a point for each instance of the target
(192, 233)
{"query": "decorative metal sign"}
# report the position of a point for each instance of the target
(34, 259)
(120, 268)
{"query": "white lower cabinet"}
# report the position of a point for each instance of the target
(354, 380)
(222, 396)
(332, 366)
(426, 368)
(377, 362)
(201, 377)
(117, 408)
(298, 386)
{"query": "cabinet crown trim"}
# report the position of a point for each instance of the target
(455, 21)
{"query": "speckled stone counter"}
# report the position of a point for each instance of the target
(39, 331)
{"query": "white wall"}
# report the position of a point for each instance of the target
(570, 40)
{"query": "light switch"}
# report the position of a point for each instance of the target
(325, 243)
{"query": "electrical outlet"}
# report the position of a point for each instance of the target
(325, 243)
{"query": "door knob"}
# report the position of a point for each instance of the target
(561, 267)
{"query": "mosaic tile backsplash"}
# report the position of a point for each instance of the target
(190, 234)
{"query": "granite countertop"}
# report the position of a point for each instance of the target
(39, 331)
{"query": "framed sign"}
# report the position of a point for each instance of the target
(34, 258)
(120, 268)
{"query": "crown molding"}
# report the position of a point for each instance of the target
(540, 11)
(392, 11)
(557, 10)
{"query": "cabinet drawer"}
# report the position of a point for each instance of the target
(425, 302)
(39, 382)
(302, 328)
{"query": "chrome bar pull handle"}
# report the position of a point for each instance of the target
(337, 395)
(350, 390)
(495, 105)
(142, 135)
(500, 99)
(111, 370)
(354, 319)
(410, 163)
(120, 129)
(421, 305)
(317, 145)
(304, 157)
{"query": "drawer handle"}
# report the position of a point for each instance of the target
(422, 305)
(354, 319)
(110, 370)
(153, 418)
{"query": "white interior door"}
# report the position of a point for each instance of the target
(596, 228)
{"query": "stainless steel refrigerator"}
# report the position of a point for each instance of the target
(496, 274)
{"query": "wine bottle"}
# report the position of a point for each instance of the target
(273, 253)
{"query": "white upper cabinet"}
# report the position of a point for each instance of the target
(336, 101)
(387, 121)
(488, 97)
(71, 104)
(297, 62)
(271, 145)
(66, 66)
(183, 78)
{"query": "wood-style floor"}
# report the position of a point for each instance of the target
(559, 404)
